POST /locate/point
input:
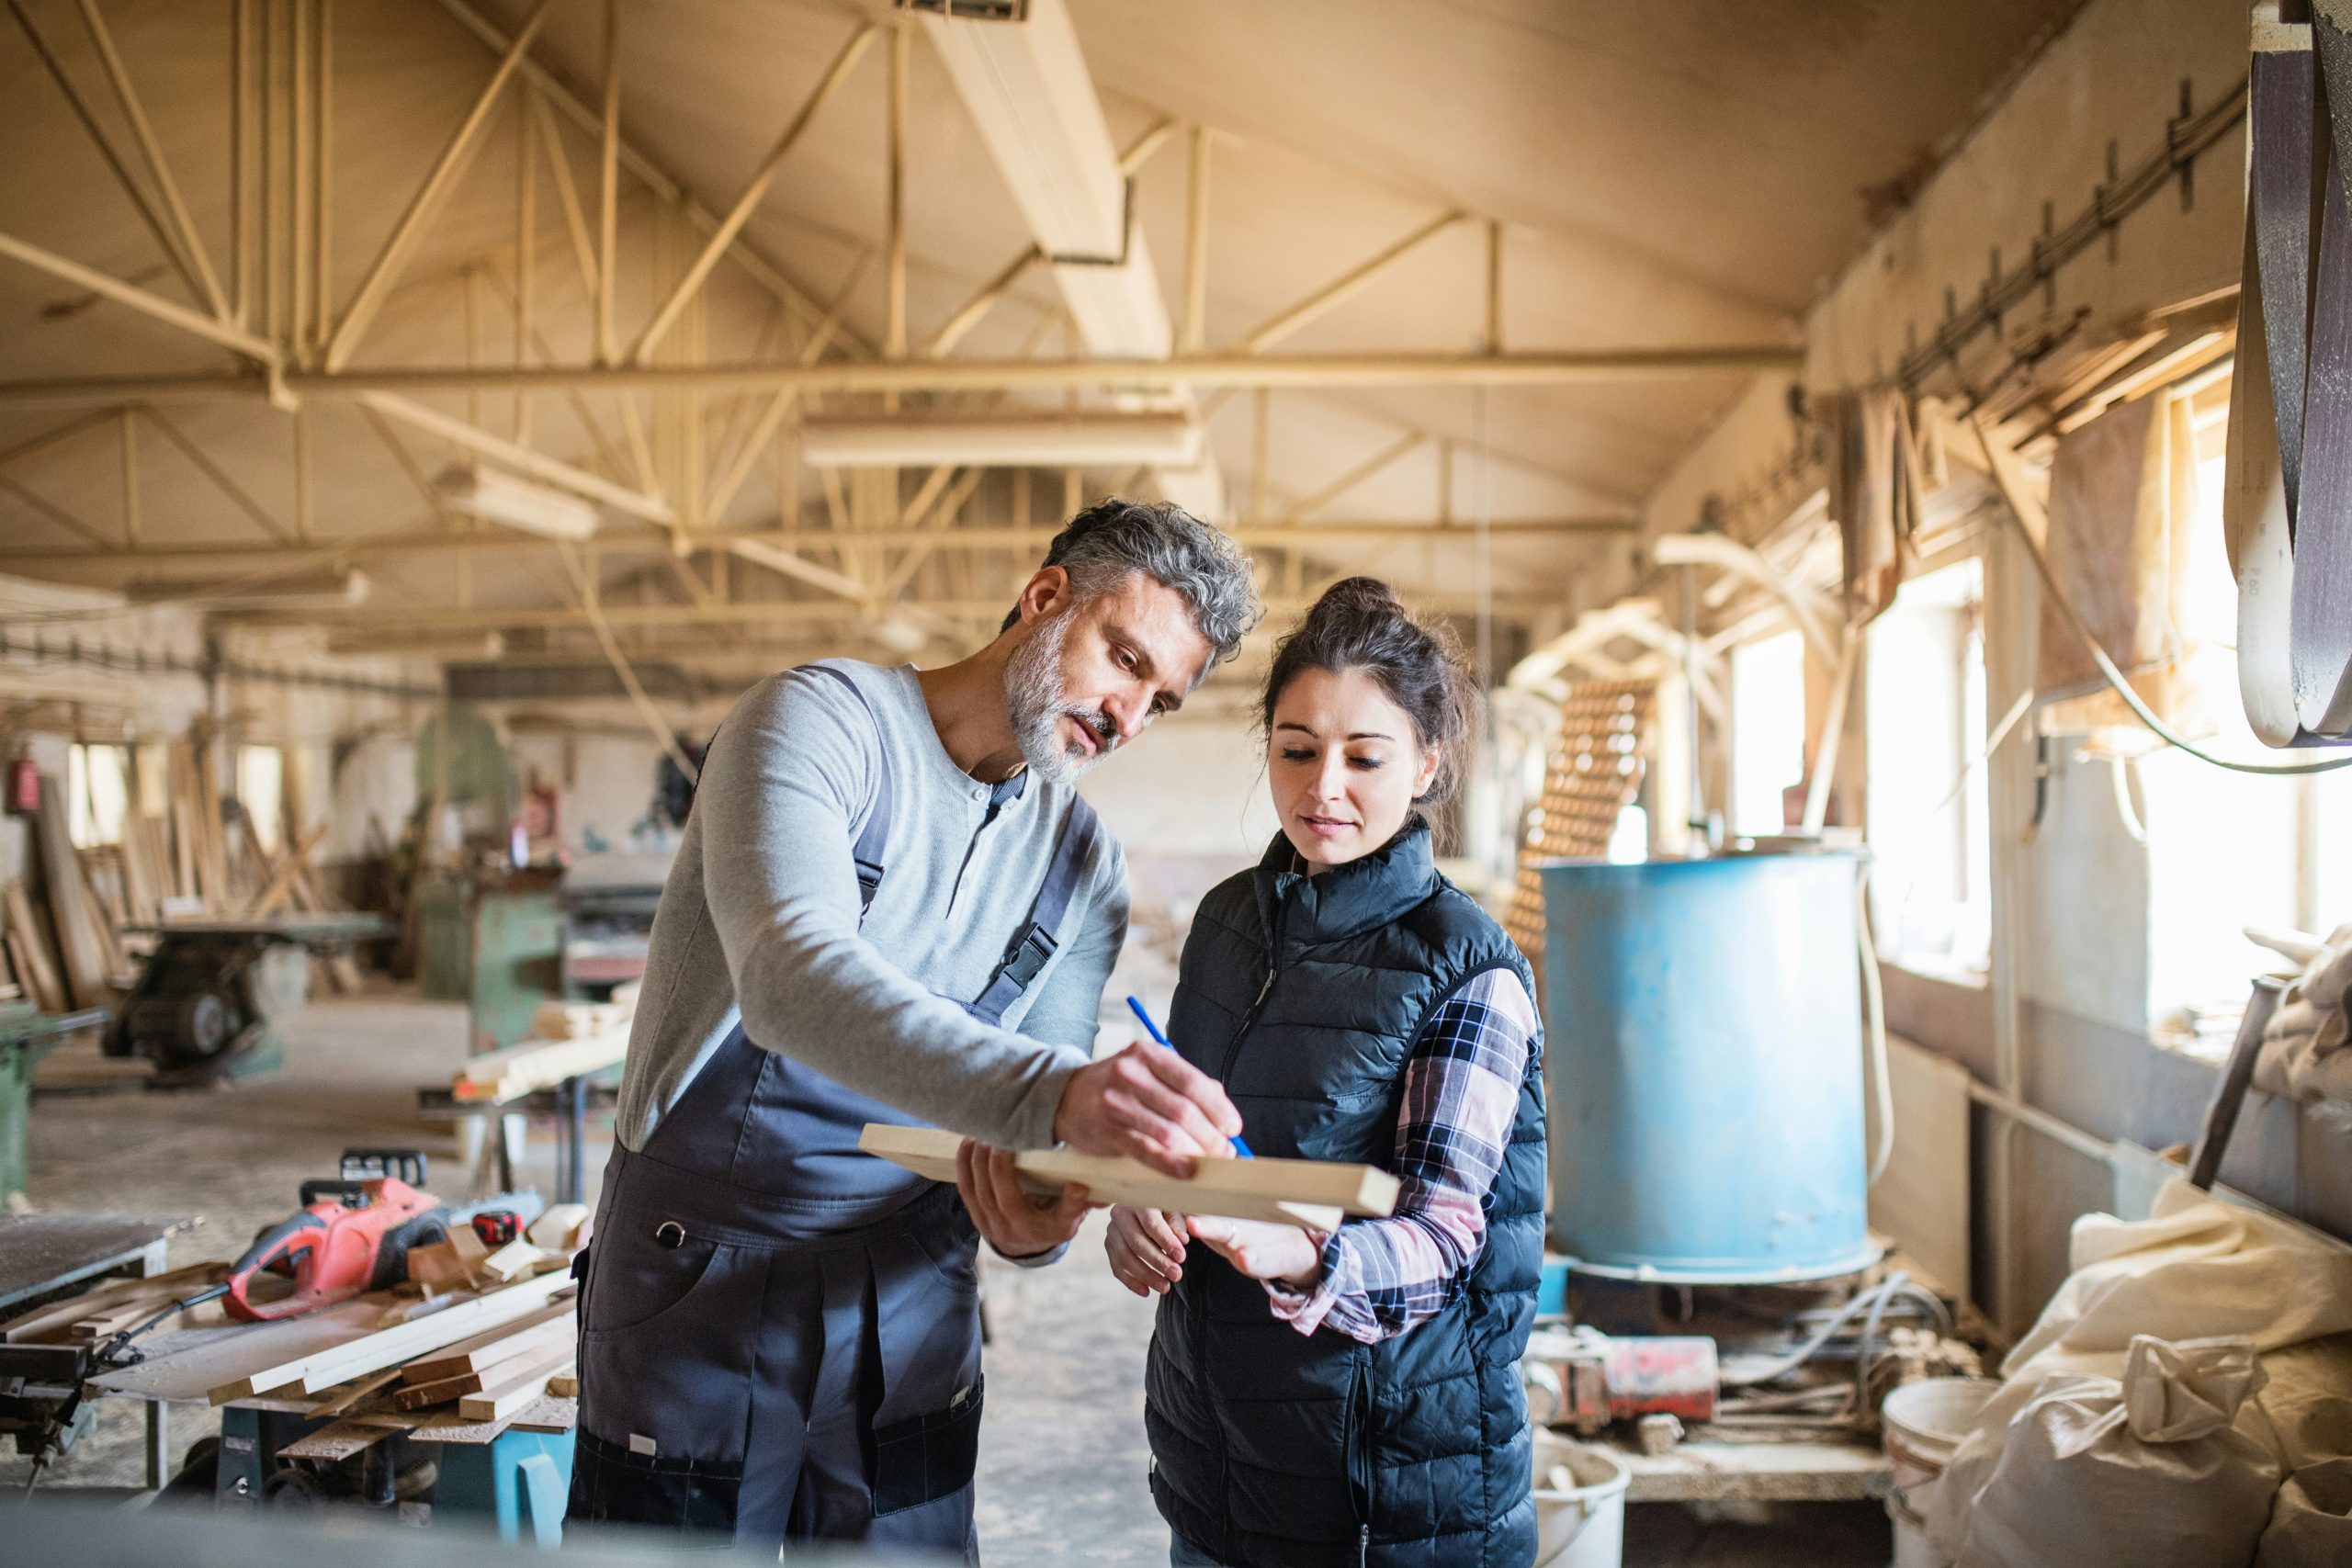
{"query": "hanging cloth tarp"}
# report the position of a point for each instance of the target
(2122, 505)
(1874, 490)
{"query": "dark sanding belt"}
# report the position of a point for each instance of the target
(2283, 185)
(2321, 641)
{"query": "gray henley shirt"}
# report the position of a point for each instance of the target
(759, 919)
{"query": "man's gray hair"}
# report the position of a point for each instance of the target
(1112, 538)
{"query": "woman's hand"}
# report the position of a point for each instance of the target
(1147, 1249)
(1017, 1224)
(1262, 1250)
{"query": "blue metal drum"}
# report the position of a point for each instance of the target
(1705, 1069)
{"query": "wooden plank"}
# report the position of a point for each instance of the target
(342, 1399)
(515, 1259)
(57, 1318)
(324, 1365)
(419, 1394)
(30, 954)
(451, 1427)
(295, 862)
(502, 1402)
(577, 1020)
(338, 1441)
(537, 1063)
(552, 1413)
(1313, 1193)
(192, 1363)
(564, 1386)
(488, 1348)
(89, 972)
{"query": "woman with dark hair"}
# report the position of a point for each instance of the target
(1354, 1398)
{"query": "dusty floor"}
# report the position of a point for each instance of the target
(1062, 1454)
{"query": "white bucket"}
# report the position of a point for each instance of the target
(1582, 1525)
(1923, 1423)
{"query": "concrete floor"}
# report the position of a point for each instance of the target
(1062, 1458)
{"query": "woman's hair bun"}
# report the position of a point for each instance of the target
(1360, 623)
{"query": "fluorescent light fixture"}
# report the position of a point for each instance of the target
(1045, 441)
(496, 496)
(1034, 105)
(325, 588)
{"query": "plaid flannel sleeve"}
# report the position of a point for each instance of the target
(1380, 1277)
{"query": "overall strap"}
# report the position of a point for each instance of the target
(875, 835)
(1036, 941)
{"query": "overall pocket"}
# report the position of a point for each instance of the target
(611, 1486)
(928, 1457)
(641, 1269)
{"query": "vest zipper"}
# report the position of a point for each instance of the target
(1273, 967)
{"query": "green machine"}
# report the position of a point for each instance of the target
(495, 943)
(27, 1034)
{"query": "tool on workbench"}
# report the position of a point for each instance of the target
(1240, 1149)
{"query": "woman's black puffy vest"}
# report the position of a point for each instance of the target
(1276, 1450)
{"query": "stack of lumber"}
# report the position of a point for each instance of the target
(65, 936)
(568, 1038)
(107, 1309)
(460, 1367)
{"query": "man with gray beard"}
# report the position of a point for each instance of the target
(890, 905)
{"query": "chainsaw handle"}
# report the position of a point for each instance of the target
(284, 1242)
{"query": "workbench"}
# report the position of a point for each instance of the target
(50, 1255)
(515, 1475)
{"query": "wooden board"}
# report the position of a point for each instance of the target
(531, 1065)
(30, 955)
(1312, 1193)
(551, 1414)
(501, 1400)
(192, 1363)
(320, 1366)
(338, 1441)
(493, 1346)
(89, 968)
(56, 1320)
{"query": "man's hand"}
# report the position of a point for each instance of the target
(1147, 1249)
(1017, 1224)
(1149, 1103)
(1262, 1250)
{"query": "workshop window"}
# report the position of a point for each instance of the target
(2227, 850)
(261, 790)
(97, 788)
(1929, 806)
(1766, 731)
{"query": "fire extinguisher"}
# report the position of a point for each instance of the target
(24, 788)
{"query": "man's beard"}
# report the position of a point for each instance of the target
(1033, 695)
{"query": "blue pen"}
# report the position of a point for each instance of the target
(1240, 1148)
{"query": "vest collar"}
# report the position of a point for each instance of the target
(1348, 900)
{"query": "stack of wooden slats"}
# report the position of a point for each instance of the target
(457, 1366)
(64, 939)
(1594, 774)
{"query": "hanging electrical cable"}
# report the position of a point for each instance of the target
(1996, 460)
